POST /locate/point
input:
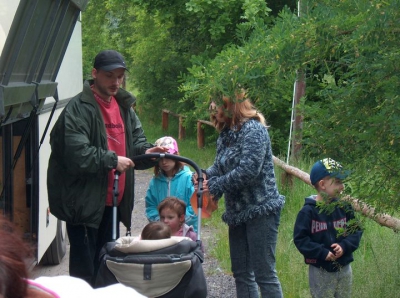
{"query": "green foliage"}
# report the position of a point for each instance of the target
(160, 38)
(256, 66)
(350, 54)
(182, 53)
(353, 116)
(94, 34)
(106, 24)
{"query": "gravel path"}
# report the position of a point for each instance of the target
(220, 285)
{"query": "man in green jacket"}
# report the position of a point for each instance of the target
(94, 136)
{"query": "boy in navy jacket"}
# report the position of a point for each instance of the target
(328, 236)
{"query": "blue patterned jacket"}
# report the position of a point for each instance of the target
(243, 171)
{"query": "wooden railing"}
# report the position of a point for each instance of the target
(182, 131)
(165, 116)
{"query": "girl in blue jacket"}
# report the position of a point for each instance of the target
(171, 178)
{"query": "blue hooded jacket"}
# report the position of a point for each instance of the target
(316, 231)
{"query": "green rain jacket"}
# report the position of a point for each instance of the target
(77, 175)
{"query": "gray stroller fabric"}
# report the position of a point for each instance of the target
(155, 268)
(160, 282)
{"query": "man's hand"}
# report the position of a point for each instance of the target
(124, 163)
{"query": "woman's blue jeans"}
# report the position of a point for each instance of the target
(252, 247)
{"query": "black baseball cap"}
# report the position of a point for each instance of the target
(327, 167)
(108, 60)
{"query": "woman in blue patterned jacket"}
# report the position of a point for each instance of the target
(243, 171)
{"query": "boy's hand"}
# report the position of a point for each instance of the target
(330, 257)
(338, 250)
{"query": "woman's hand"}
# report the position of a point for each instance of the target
(195, 182)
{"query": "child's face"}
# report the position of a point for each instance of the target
(168, 166)
(333, 187)
(171, 218)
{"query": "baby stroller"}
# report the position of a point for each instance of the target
(156, 268)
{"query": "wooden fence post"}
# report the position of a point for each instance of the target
(200, 132)
(200, 135)
(165, 119)
(182, 131)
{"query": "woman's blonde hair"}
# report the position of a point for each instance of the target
(237, 111)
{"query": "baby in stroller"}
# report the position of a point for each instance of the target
(156, 230)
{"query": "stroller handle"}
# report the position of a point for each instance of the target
(188, 161)
(115, 198)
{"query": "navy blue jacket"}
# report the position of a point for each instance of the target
(316, 231)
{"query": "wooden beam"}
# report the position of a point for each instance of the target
(359, 206)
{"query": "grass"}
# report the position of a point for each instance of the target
(376, 268)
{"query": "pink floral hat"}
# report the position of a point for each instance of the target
(170, 143)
